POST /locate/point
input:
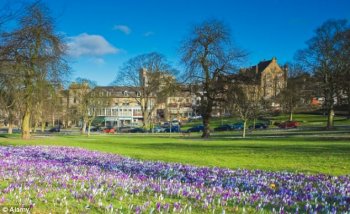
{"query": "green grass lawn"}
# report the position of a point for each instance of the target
(313, 119)
(309, 151)
(306, 120)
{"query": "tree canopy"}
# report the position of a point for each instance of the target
(208, 54)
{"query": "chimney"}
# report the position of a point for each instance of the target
(274, 59)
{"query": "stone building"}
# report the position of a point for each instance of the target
(124, 110)
(181, 105)
(268, 76)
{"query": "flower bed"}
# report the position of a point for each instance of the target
(76, 180)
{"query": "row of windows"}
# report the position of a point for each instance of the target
(124, 93)
(118, 112)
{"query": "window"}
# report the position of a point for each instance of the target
(108, 112)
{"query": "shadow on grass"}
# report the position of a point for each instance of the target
(3, 135)
(256, 148)
(309, 134)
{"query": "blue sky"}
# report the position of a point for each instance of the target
(103, 34)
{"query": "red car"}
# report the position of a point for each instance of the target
(109, 130)
(289, 124)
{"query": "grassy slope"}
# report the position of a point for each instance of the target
(305, 119)
(313, 120)
(329, 154)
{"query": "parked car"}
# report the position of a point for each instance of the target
(166, 125)
(225, 127)
(137, 130)
(173, 129)
(196, 117)
(238, 126)
(55, 129)
(109, 130)
(258, 126)
(125, 129)
(289, 124)
(92, 129)
(158, 129)
(175, 122)
(198, 128)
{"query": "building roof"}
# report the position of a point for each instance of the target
(260, 67)
(118, 91)
(117, 88)
(253, 73)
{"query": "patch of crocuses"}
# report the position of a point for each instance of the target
(77, 180)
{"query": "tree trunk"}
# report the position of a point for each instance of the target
(35, 126)
(89, 126)
(206, 110)
(206, 131)
(145, 121)
(10, 129)
(10, 121)
(330, 121)
(26, 125)
(43, 125)
(244, 128)
(53, 120)
(83, 130)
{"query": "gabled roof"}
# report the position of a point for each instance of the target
(263, 65)
(260, 67)
(252, 74)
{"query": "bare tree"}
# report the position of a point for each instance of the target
(9, 10)
(208, 54)
(9, 87)
(344, 81)
(324, 57)
(96, 100)
(37, 53)
(88, 99)
(298, 91)
(81, 90)
(47, 105)
(244, 99)
(149, 79)
(9, 97)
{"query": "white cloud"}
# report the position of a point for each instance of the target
(149, 33)
(122, 28)
(98, 61)
(89, 45)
